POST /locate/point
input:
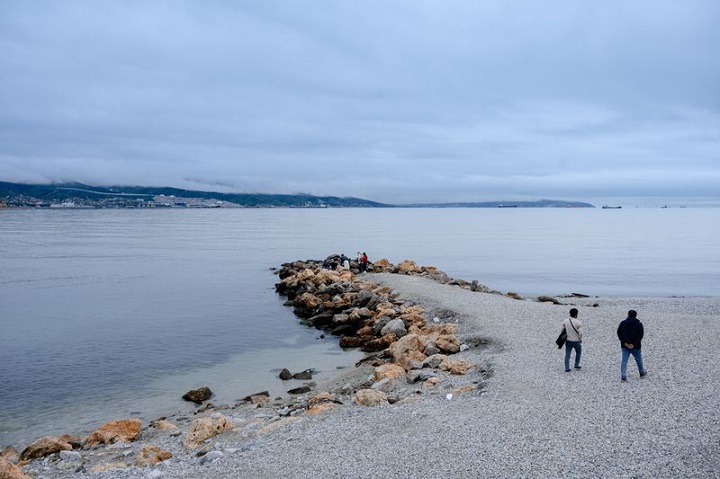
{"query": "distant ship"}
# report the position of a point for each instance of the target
(606, 207)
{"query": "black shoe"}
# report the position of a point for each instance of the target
(624, 380)
(642, 375)
(578, 367)
(567, 370)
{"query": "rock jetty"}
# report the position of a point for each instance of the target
(408, 355)
(365, 315)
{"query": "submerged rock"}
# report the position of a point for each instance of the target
(300, 390)
(304, 375)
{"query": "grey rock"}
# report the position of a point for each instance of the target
(70, 456)
(380, 324)
(305, 375)
(384, 385)
(395, 326)
(431, 349)
(300, 390)
(433, 362)
(421, 375)
(211, 457)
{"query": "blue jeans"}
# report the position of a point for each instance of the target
(637, 354)
(569, 346)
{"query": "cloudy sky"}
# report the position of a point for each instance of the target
(391, 100)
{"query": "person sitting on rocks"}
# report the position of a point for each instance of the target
(364, 262)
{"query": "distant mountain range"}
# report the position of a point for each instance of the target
(81, 195)
(84, 194)
(508, 204)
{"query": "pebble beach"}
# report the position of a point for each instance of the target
(518, 414)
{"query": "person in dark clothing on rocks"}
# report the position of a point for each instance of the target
(630, 333)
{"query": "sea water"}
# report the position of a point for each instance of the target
(115, 313)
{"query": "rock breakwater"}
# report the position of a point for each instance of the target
(368, 316)
(408, 355)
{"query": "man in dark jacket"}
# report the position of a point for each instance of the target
(630, 332)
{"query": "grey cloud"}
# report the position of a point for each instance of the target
(406, 101)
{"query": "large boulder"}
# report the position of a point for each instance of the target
(300, 390)
(8, 470)
(379, 344)
(408, 267)
(350, 342)
(152, 455)
(198, 395)
(391, 371)
(303, 375)
(382, 266)
(447, 343)
(10, 453)
(548, 299)
(306, 304)
(434, 361)
(394, 326)
(458, 367)
(341, 318)
(305, 275)
(369, 397)
(413, 360)
(402, 347)
(359, 314)
(366, 330)
(47, 445)
(321, 403)
(204, 428)
(126, 430)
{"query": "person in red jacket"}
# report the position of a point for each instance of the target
(363, 262)
(630, 333)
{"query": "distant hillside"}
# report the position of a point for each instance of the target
(18, 194)
(77, 191)
(507, 204)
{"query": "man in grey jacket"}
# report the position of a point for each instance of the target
(630, 333)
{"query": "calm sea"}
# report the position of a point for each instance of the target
(110, 313)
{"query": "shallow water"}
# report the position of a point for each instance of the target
(107, 313)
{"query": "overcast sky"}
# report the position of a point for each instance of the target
(394, 101)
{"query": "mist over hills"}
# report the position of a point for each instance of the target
(78, 194)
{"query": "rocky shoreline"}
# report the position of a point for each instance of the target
(513, 413)
(402, 346)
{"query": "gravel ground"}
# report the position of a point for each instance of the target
(529, 419)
